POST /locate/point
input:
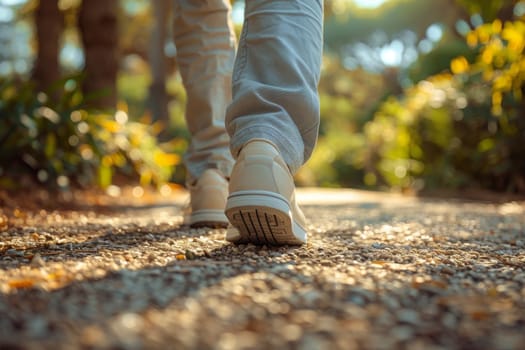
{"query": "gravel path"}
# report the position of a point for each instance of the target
(379, 272)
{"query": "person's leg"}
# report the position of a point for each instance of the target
(275, 78)
(276, 104)
(205, 41)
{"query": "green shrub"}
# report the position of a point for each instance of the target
(348, 99)
(465, 129)
(55, 139)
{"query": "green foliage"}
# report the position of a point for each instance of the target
(412, 141)
(487, 9)
(500, 66)
(438, 60)
(53, 138)
(457, 128)
(133, 89)
(465, 129)
(348, 99)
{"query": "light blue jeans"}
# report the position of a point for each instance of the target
(272, 92)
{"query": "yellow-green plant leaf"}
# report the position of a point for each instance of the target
(50, 147)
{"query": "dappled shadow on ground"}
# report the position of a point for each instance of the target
(376, 274)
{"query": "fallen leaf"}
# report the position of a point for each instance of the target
(379, 262)
(492, 292)
(429, 283)
(35, 236)
(21, 283)
(479, 315)
(4, 224)
(19, 214)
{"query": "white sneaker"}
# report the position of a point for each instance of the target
(261, 205)
(208, 200)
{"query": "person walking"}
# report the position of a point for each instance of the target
(259, 106)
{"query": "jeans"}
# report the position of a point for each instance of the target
(271, 93)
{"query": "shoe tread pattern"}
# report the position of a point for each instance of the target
(262, 225)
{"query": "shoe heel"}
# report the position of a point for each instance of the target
(262, 218)
(208, 218)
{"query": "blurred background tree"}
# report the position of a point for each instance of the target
(48, 29)
(97, 22)
(415, 95)
(61, 122)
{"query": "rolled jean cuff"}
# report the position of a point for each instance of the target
(291, 147)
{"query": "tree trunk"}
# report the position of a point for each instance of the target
(158, 98)
(49, 25)
(506, 13)
(99, 30)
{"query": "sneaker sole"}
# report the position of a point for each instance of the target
(262, 217)
(208, 218)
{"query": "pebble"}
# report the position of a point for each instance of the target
(402, 333)
(37, 261)
(14, 252)
(408, 316)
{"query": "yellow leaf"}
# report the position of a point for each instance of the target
(496, 26)
(488, 74)
(21, 283)
(502, 83)
(57, 275)
(487, 55)
(175, 187)
(166, 159)
(497, 97)
(484, 33)
(118, 160)
(110, 125)
(105, 175)
(459, 65)
(514, 37)
(107, 161)
(497, 110)
(145, 177)
(379, 262)
(472, 39)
